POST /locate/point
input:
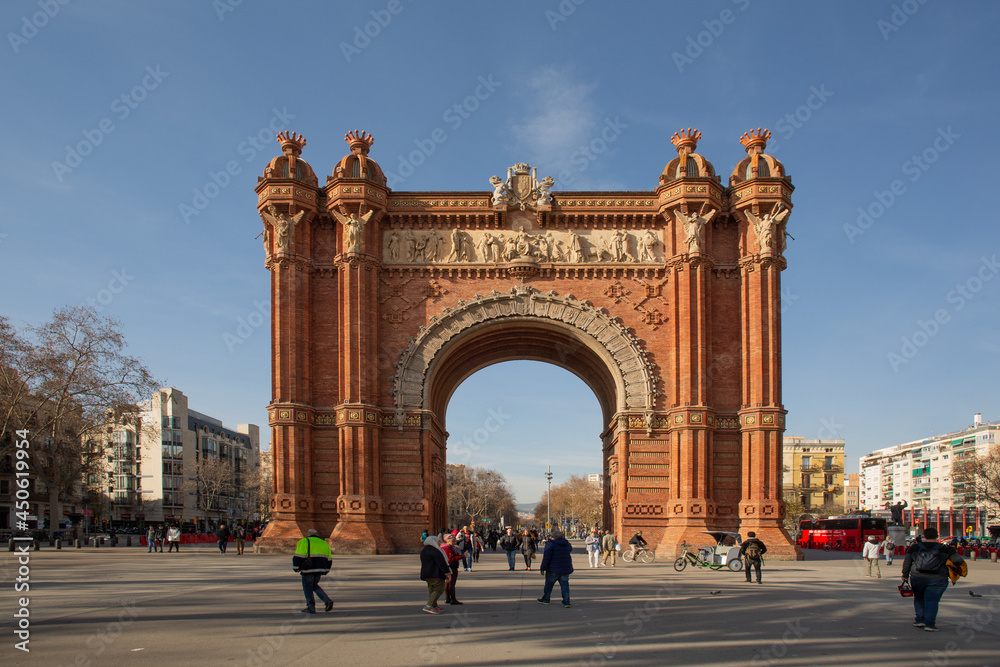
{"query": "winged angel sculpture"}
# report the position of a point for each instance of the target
(354, 225)
(283, 226)
(765, 227)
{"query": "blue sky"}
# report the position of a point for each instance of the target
(877, 108)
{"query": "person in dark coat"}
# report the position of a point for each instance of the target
(752, 552)
(435, 571)
(510, 543)
(557, 565)
(529, 543)
(223, 535)
(928, 584)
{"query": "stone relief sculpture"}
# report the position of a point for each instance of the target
(489, 247)
(461, 250)
(432, 247)
(647, 246)
(694, 228)
(354, 225)
(411, 247)
(576, 248)
(392, 247)
(283, 226)
(765, 227)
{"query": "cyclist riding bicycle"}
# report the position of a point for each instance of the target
(637, 541)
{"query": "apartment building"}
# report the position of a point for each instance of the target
(920, 472)
(813, 471)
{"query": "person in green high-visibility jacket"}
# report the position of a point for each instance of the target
(312, 560)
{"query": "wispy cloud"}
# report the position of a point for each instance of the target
(559, 126)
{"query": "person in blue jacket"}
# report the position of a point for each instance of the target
(557, 565)
(312, 560)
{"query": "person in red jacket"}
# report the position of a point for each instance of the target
(454, 557)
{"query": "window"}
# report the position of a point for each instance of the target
(806, 481)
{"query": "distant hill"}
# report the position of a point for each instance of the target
(526, 507)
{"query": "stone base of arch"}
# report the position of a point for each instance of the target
(361, 527)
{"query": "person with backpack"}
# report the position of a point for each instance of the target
(888, 547)
(752, 552)
(926, 568)
(870, 554)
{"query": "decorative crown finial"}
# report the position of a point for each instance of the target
(755, 139)
(291, 143)
(359, 141)
(685, 140)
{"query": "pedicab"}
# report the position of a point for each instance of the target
(724, 553)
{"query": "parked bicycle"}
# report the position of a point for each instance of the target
(638, 554)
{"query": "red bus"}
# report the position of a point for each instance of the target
(846, 533)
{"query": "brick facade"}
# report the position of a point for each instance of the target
(666, 302)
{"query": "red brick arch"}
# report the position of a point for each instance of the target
(665, 302)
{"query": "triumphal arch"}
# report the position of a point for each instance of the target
(666, 302)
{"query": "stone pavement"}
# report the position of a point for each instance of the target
(125, 606)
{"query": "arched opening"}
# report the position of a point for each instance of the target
(518, 338)
(517, 418)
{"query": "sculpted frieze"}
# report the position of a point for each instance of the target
(481, 246)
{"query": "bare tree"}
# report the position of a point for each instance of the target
(64, 386)
(214, 480)
(257, 491)
(477, 494)
(980, 478)
(577, 500)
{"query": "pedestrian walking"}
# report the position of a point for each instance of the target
(593, 544)
(452, 555)
(925, 566)
(241, 539)
(529, 545)
(312, 560)
(223, 534)
(435, 571)
(151, 538)
(752, 552)
(870, 554)
(609, 544)
(511, 544)
(888, 547)
(173, 538)
(557, 565)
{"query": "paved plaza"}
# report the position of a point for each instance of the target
(125, 606)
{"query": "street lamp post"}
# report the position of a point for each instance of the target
(548, 500)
